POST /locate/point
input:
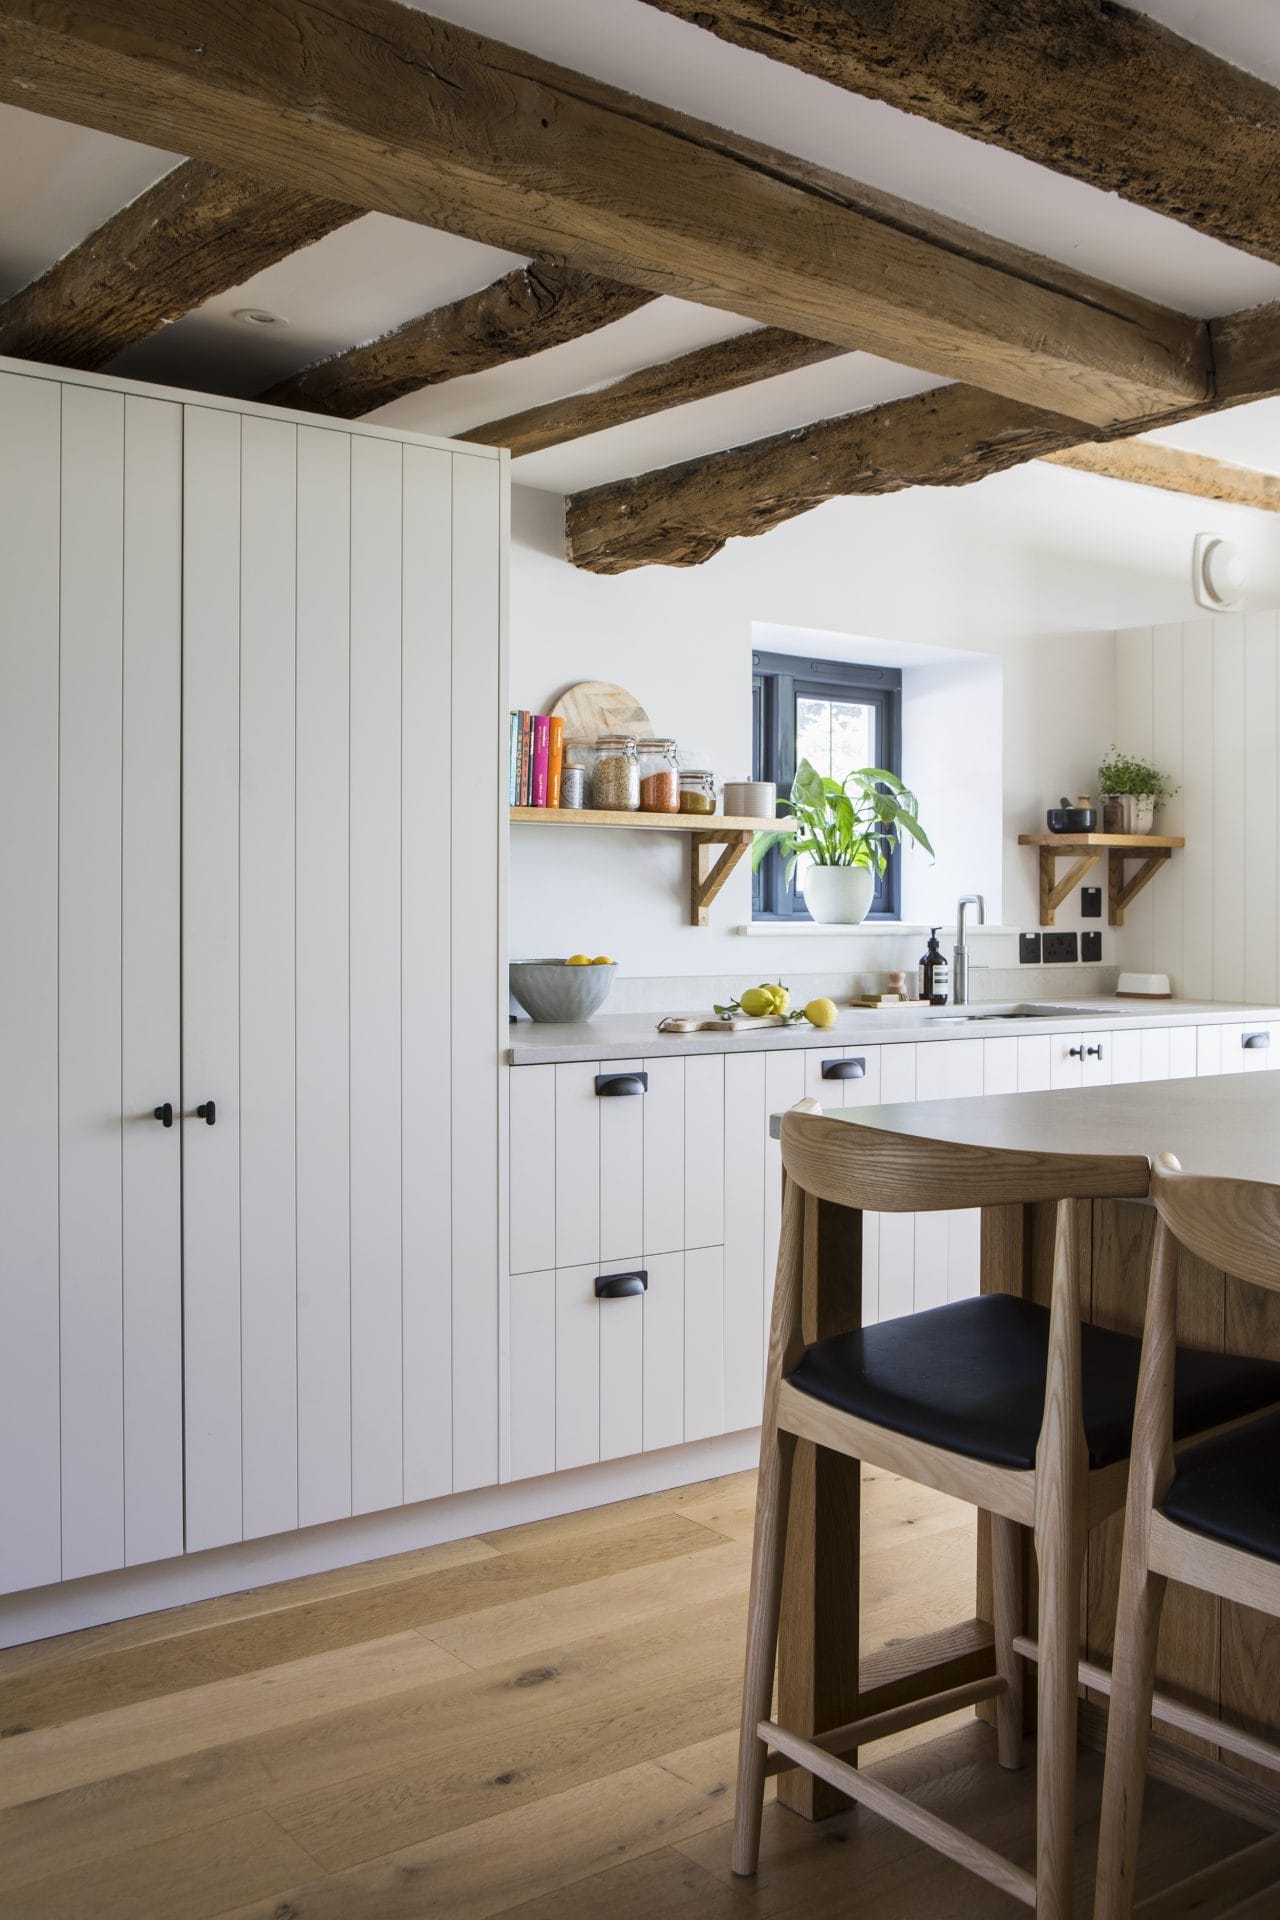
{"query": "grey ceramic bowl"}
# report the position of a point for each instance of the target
(548, 990)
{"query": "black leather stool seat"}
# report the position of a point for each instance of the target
(970, 1377)
(1229, 1489)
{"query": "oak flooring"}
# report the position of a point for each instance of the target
(537, 1723)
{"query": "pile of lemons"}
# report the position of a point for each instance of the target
(585, 960)
(773, 999)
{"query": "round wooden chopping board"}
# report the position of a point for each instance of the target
(594, 707)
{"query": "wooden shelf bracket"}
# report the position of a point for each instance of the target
(1121, 892)
(1054, 891)
(707, 876)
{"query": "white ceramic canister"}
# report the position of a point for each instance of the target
(753, 799)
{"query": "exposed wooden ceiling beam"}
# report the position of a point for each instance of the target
(407, 115)
(1246, 354)
(1148, 463)
(1100, 92)
(721, 368)
(535, 307)
(195, 233)
(681, 515)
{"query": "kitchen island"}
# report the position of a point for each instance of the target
(1219, 1656)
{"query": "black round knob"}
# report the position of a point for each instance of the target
(164, 1114)
(207, 1112)
(1093, 1053)
(1075, 1053)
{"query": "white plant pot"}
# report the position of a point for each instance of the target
(838, 896)
(1142, 813)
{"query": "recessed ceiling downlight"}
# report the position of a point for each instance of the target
(259, 317)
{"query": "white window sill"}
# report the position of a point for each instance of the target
(869, 929)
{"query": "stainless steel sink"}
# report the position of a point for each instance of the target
(1028, 1011)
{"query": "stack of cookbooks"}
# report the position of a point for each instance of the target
(537, 751)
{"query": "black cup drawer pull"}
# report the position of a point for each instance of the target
(621, 1286)
(164, 1114)
(207, 1112)
(611, 1086)
(1256, 1040)
(845, 1069)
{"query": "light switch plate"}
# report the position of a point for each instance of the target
(1091, 946)
(1091, 903)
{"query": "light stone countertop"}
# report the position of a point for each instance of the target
(635, 1036)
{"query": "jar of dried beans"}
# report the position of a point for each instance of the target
(615, 776)
(659, 777)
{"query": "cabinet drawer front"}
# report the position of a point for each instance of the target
(1208, 1050)
(1000, 1065)
(577, 1150)
(704, 1151)
(532, 1392)
(949, 1070)
(1155, 1053)
(1066, 1060)
(664, 1149)
(1182, 1053)
(662, 1331)
(1126, 1055)
(703, 1342)
(621, 1159)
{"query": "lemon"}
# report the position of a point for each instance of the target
(821, 1013)
(781, 999)
(578, 960)
(757, 1001)
(604, 960)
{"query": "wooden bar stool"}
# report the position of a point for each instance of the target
(1209, 1518)
(999, 1401)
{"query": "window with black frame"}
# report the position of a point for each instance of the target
(837, 717)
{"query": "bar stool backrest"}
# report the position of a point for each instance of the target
(855, 1165)
(1231, 1224)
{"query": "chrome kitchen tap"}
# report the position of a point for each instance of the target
(960, 959)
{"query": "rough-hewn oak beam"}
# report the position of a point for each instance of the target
(196, 232)
(535, 307)
(1148, 463)
(681, 515)
(395, 111)
(721, 368)
(1096, 91)
(1246, 354)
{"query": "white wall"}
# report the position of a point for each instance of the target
(1202, 700)
(1034, 569)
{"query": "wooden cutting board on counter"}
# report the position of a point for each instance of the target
(736, 1023)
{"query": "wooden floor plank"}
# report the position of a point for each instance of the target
(533, 1852)
(52, 1759)
(145, 1629)
(94, 1685)
(195, 1876)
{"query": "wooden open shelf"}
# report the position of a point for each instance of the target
(729, 835)
(1085, 850)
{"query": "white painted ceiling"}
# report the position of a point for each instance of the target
(57, 183)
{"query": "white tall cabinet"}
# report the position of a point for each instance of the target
(250, 864)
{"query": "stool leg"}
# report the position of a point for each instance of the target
(1060, 1548)
(1128, 1731)
(1007, 1590)
(773, 1498)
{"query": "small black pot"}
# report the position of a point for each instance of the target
(1069, 819)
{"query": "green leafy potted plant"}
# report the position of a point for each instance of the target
(847, 828)
(1138, 784)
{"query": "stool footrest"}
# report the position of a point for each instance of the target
(878, 1726)
(1173, 1713)
(895, 1807)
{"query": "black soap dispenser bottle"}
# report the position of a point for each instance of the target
(935, 975)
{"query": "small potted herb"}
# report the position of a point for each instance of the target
(1138, 785)
(847, 828)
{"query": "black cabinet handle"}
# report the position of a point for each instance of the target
(207, 1112)
(1093, 1053)
(611, 1086)
(1256, 1040)
(621, 1286)
(845, 1069)
(164, 1114)
(1075, 1053)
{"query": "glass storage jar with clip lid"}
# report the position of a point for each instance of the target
(615, 774)
(697, 790)
(659, 777)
